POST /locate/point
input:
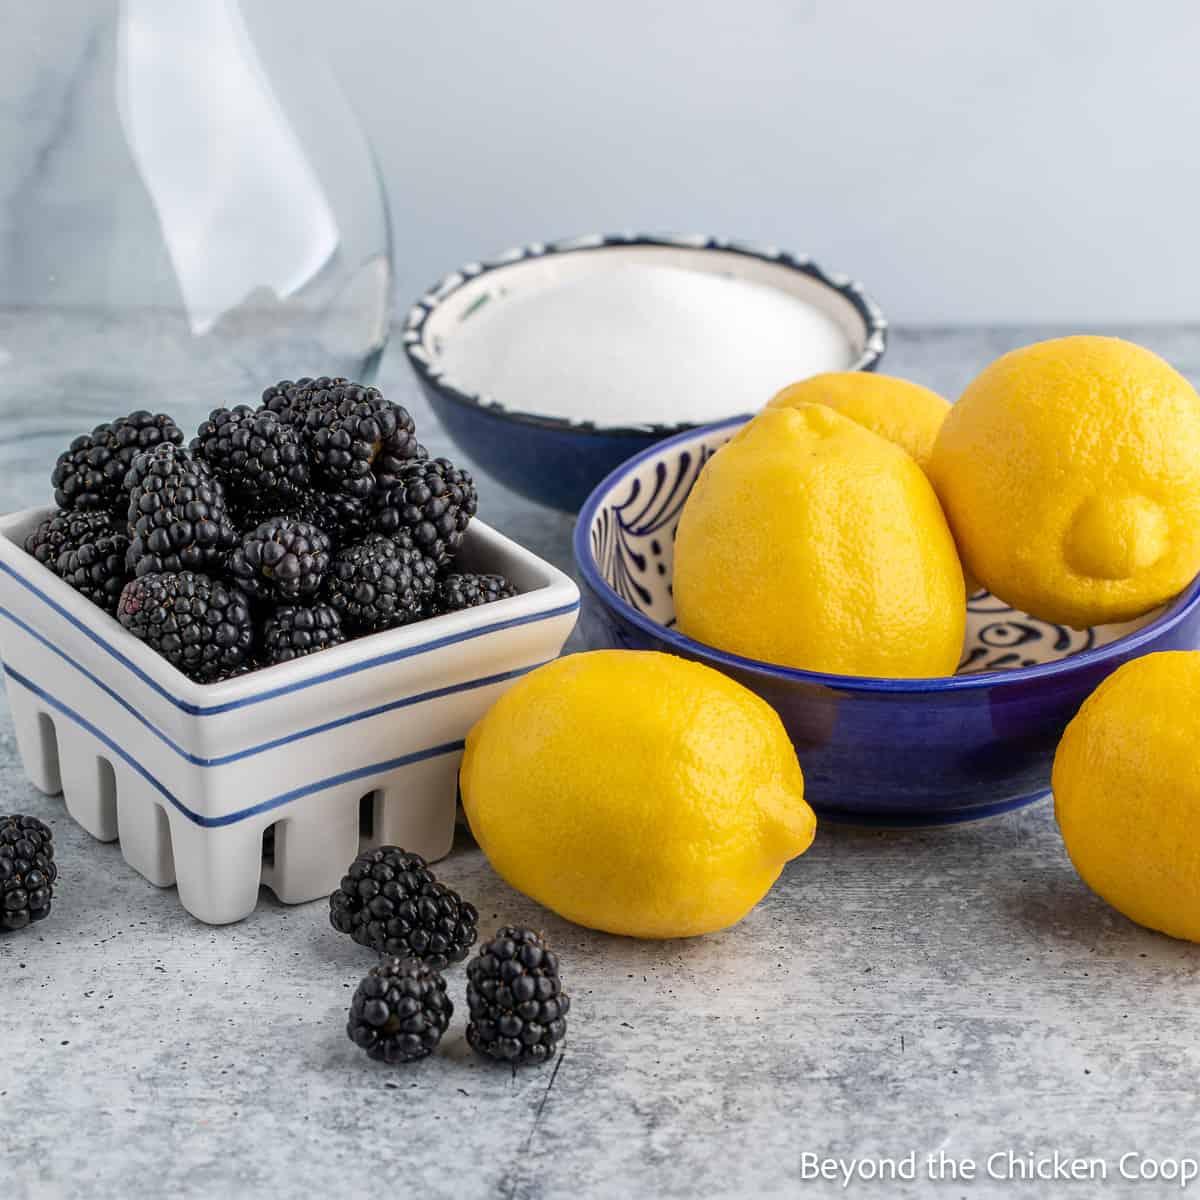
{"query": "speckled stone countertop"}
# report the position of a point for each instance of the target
(947, 992)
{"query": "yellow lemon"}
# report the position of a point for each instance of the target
(902, 412)
(1070, 473)
(636, 793)
(1127, 792)
(810, 542)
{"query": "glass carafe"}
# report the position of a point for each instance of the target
(188, 211)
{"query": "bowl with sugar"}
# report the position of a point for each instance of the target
(552, 364)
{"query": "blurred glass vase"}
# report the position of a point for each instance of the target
(188, 211)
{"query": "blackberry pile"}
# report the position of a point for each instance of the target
(279, 531)
(391, 902)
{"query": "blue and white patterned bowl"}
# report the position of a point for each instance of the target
(874, 751)
(557, 461)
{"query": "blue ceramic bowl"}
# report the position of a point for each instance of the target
(874, 751)
(554, 459)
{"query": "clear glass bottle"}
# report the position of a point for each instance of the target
(189, 211)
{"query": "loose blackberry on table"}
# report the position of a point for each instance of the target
(179, 516)
(433, 501)
(458, 591)
(254, 453)
(391, 902)
(27, 871)
(515, 997)
(90, 473)
(281, 560)
(399, 1011)
(197, 623)
(378, 583)
(292, 632)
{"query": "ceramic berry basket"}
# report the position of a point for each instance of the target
(353, 746)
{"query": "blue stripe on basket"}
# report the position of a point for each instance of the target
(309, 789)
(199, 710)
(324, 727)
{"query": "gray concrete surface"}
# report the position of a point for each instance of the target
(950, 992)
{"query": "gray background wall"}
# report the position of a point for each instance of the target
(1006, 161)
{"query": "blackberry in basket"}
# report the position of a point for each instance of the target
(456, 592)
(433, 502)
(282, 560)
(86, 548)
(90, 473)
(291, 400)
(254, 454)
(179, 517)
(358, 439)
(378, 583)
(292, 632)
(199, 624)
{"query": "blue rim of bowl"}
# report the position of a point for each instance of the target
(582, 547)
(874, 323)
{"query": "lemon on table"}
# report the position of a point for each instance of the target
(904, 413)
(1127, 792)
(810, 542)
(1070, 473)
(636, 792)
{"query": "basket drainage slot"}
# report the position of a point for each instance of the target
(366, 814)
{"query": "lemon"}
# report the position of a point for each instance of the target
(636, 793)
(810, 542)
(1070, 473)
(904, 413)
(1127, 792)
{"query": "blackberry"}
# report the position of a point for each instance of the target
(390, 902)
(253, 453)
(455, 592)
(358, 439)
(96, 567)
(399, 1011)
(434, 501)
(179, 517)
(87, 549)
(341, 517)
(291, 401)
(292, 632)
(515, 997)
(281, 560)
(198, 624)
(378, 583)
(91, 472)
(27, 871)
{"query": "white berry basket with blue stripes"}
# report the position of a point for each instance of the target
(354, 746)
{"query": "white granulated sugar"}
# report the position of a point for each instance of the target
(636, 344)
